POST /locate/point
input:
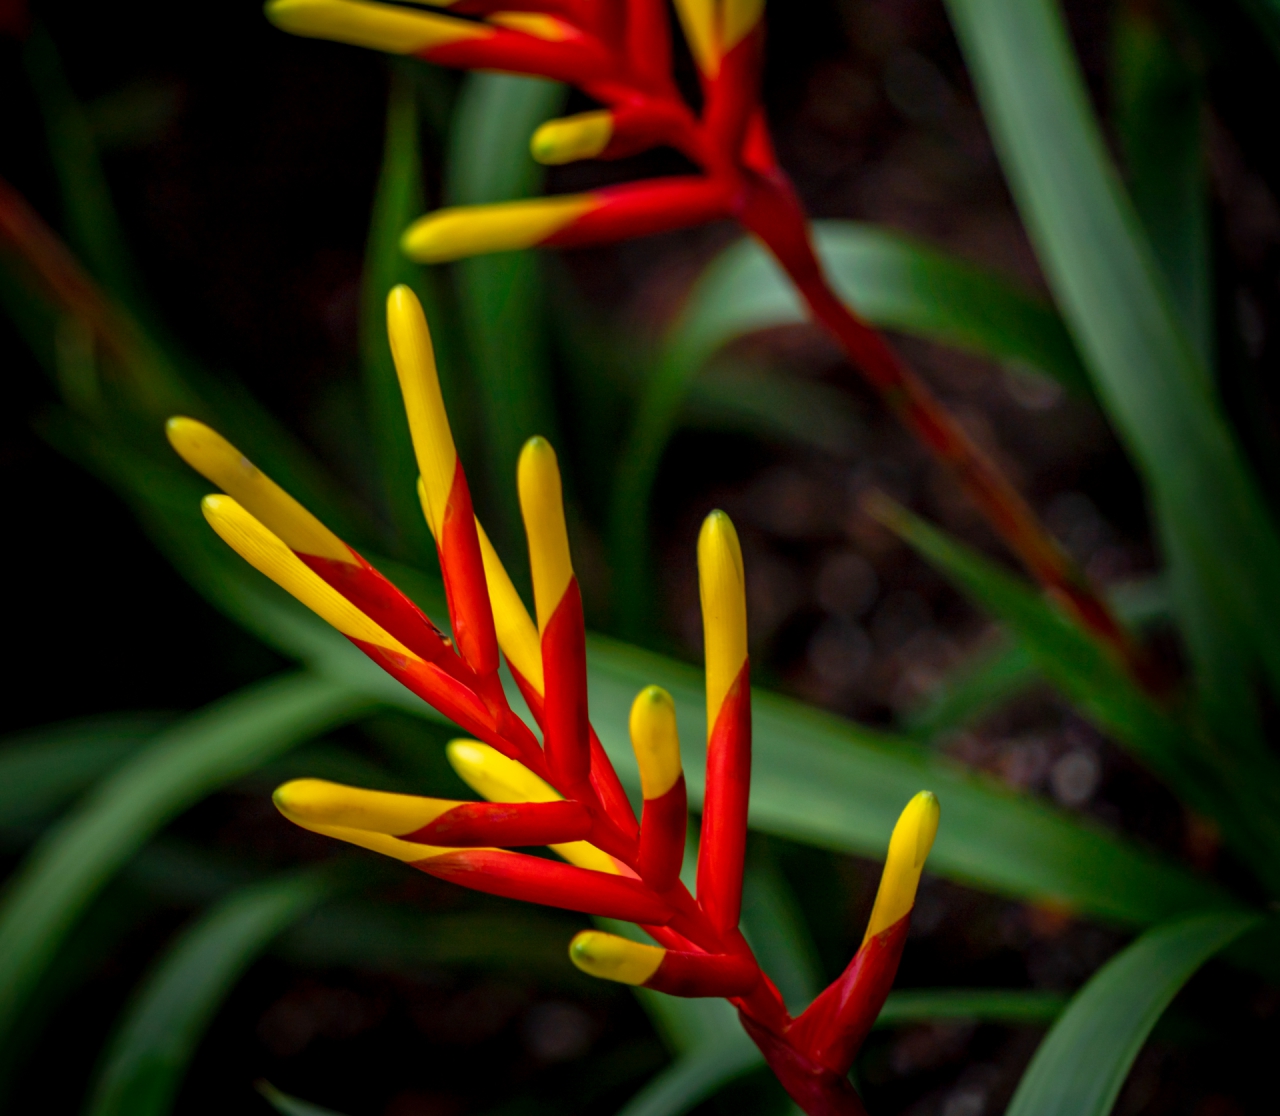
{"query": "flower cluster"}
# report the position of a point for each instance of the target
(561, 791)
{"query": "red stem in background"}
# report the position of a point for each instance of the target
(773, 213)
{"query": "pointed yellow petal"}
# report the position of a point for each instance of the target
(908, 847)
(472, 230)
(613, 958)
(319, 802)
(655, 741)
(572, 138)
(542, 505)
(517, 634)
(738, 19)
(377, 26)
(415, 363)
(698, 20)
(724, 608)
(407, 851)
(267, 554)
(219, 462)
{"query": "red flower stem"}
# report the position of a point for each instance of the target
(773, 214)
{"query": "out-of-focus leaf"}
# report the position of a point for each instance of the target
(147, 1057)
(891, 280)
(1082, 1063)
(73, 860)
(758, 401)
(778, 936)
(985, 1005)
(500, 295)
(1089, 676)
(1115, 301)
(291, 1106)
(41, 771)
(693, 1077)
(973, 689)
(827, 781)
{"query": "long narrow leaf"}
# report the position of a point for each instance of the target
(1117, 305)
(291, 1106)
(41, 771)
(74, 860)
(145, 1062)
(1083, 1061)
(891, 280)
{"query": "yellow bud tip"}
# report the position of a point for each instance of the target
(722, 587)
(610, 957)
(376, 26)
(908, 849)
(655, 741)
(473, 230)
(494, 776)
(572, 138)
(542, 506)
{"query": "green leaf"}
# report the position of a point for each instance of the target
(1082, 1063)
(973, 689)
(776, 931)
(501, 295)
(1090, 677)
(693, 1077)
(73, 861)
(891, 280)
(41, 771)
(980, 1005)
(155, 1039)
(758, 401)
(1119, 309)
(291, 1106)
(826, 781)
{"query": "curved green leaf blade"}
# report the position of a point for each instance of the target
(891, 280)
(154, 1041)
(1114, 299)
(40, 771)
(74, 860)
(693, 1077)
(1082, 1063)
(291, 1106)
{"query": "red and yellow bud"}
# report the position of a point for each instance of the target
(517, 633)
(539, 25)
(560, 624)
(571, 138)
(724, 813)
(908, 848)
(446, 497)
(396, 30)
(431, 821)
(457, 232)
(493, 776)
(834, 1026)
(220, 463)
(662, 825)
(675, 972)
(700, 23)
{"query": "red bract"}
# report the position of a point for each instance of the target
(562, 791)
(618, 52)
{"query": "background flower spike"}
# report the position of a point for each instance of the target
(376, 26)
(456, 232)
(566, 733)
(724, 812)
(583, 136)
(675, 972)
(656, 743)
(448, 499)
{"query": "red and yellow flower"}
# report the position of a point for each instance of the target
(556, 786)
(619, 53)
